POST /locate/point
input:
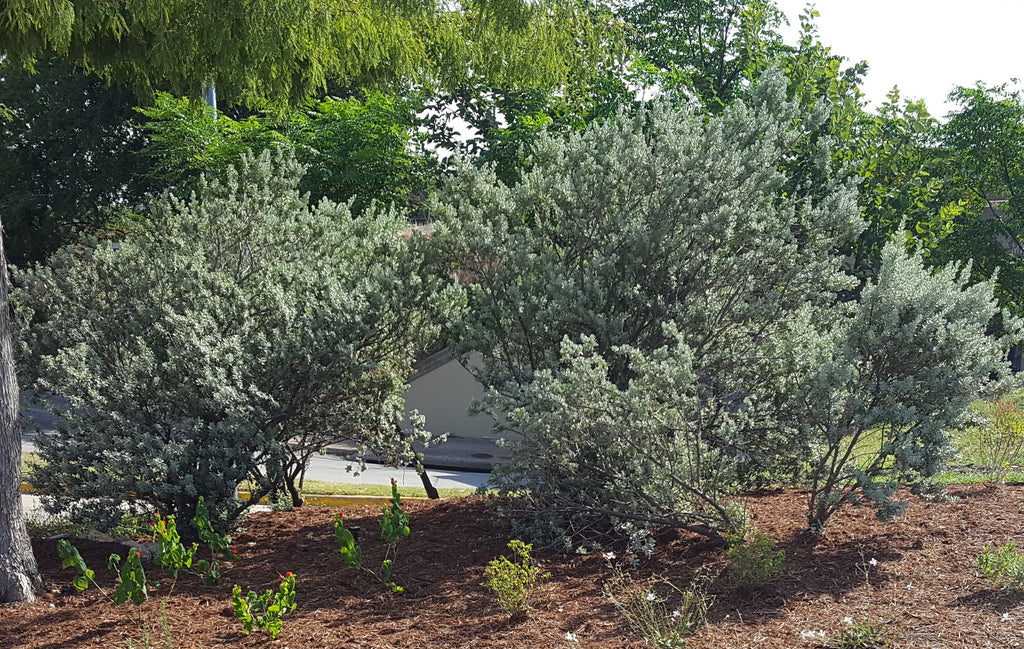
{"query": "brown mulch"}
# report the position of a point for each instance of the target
(925, 586)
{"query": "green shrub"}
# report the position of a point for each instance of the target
(233, 336)
(267, 610)
(1005, 566)
(513, 581)
(754, 563)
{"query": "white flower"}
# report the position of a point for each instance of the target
(811, 634)
(571, 637)
(847, 620)
(651, 597)
(609, 555)
(873, 562)
(1006, 617)
(676, 614)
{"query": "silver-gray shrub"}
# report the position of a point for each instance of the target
(654, 310)
(664, 244)
(882, 382)
(235, 334)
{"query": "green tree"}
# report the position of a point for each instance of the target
(282, 51)
(984, 142)
(66, 158)
(705, 49)
(234, 336)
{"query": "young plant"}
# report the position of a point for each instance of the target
(755, 563)
(513, 581)
(1005, 567)
(862, 635)
(70, 558)
(659, 611)
(132, 576)
(172, 556)
(394, 525)
(998, 443)
(265, 611)
(220, 546)
(132, 579)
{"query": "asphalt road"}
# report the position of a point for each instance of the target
(329, 468)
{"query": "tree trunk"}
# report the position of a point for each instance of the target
(425, 479)
(19, 575)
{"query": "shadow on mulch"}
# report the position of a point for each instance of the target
(994, 599)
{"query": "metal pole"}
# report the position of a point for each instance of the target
(211, 98)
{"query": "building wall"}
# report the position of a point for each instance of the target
(442, 391)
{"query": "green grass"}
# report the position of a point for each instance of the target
(322, 488)
(28, 460)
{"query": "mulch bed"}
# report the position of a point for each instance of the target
(925, 586)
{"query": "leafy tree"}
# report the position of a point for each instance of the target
(234, 336)
(282, 51)
(362, 150)
(893, 152)
(187, 141)
(890, 150)
(705, 49)
(500, 125)
(66, 157)
(352, 149)
(984, 141)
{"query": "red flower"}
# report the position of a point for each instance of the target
(139, 553)
(392, 481)
(287, 574)
(234, 552)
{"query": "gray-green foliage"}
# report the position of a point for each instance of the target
(903, 363)
(655, 311)
(235, 322)
(665, 218)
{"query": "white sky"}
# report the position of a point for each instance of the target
(926, 47)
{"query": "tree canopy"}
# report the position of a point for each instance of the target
(283, 50)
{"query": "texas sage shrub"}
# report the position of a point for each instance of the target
(891, 374)
(235, 334)
(620, 300)
(661, 314)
